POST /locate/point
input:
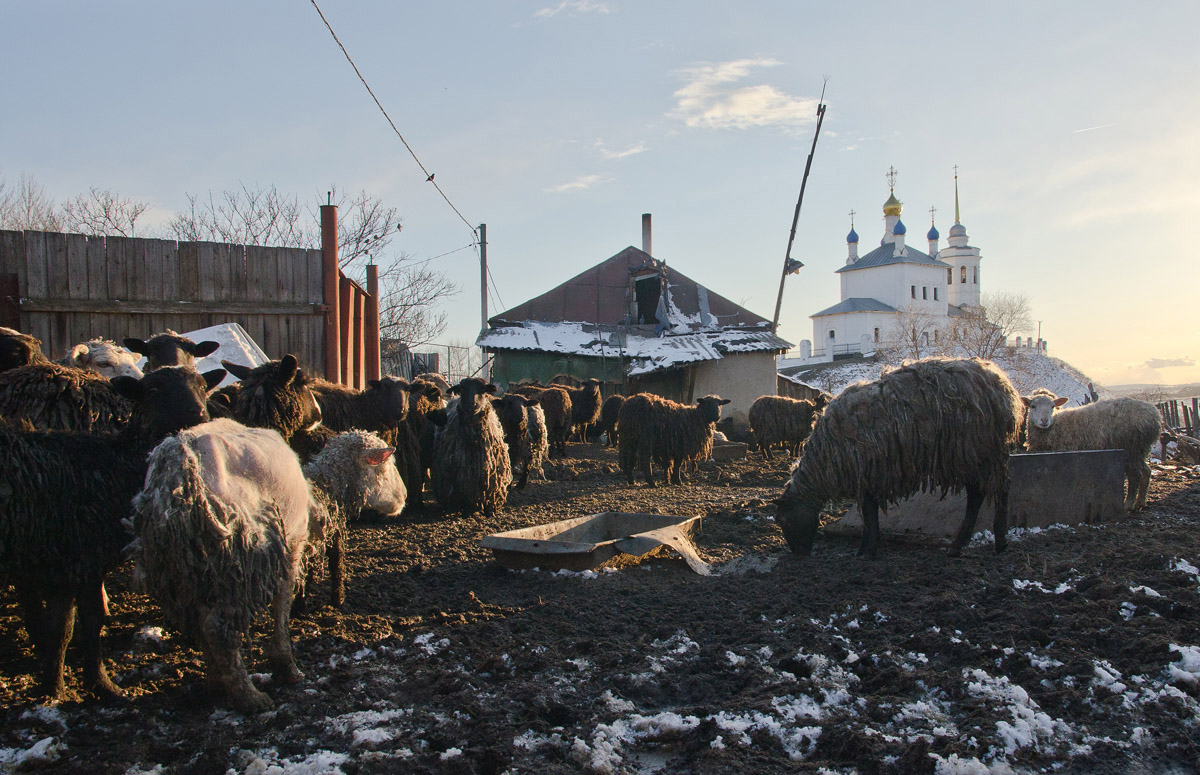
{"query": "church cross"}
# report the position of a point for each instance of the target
(891, 177)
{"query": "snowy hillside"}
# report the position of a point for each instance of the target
(1028, 370)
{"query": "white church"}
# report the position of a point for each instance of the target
(894, 279)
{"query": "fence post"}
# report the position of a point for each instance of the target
(372, 322)
(358, 353)
(344, 313)
(330, 273)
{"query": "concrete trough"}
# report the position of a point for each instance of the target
(587, 543)
(1047, 488)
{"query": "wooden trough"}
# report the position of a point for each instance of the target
(586, 543)
(1046, 488)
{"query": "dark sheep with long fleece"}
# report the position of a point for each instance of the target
(654, 428)
(416, 438)
(380, 407)
(18, 349)
(782, 420)
(538, 440)
(276, 395)
(225, 523)
(65, 494)
(1121, 423)
(170, 349)
(471, 471)
(54, 397)
(585, 407)
(556, 403)
(610, 412)
(934, 424)
(635, 426)
(524, 425)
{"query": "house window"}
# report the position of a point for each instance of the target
(877, 335)
(925, 292)
(962, 275)
(647, 291)
(913, 291)
(935, 298)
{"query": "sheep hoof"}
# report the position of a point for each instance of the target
(252, 700)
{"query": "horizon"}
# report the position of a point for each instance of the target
(558, 124)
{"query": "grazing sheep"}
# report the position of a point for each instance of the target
(782, 420)
(932, 424)
(55, 397)
(610, 411)
(104, 357)
(524, 425)
(671, 434)
(170, 349)
(381, 407)
(585, 407)
(1121, 423)
(17, 349)
(276, 395)
(63, 496)
(470, 470)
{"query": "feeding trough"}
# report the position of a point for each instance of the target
(586, 543)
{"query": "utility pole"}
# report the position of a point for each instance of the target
(790, 265)
(486, 373)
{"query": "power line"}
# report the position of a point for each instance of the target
(428, 174)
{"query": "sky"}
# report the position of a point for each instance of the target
(558, 123)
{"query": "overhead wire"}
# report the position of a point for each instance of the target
(428, 175)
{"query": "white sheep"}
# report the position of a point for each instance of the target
(224, 524)
(105, 357)
(1121, 423)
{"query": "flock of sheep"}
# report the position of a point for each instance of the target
(227, 498)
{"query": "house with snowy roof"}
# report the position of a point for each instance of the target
(637, 325)
(894, 282)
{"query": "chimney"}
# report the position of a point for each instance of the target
(646, 234)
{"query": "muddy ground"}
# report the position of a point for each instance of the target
(443, 661)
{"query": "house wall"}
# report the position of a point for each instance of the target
(740, 377)
(510, 366)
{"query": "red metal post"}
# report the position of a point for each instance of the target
(372, 323)
(357, 351)
(330, 272)
(344, 329)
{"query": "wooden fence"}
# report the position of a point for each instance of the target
(1182, 414)
(68, 288)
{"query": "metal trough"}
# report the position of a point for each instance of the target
(1046, 488)
(586, 543)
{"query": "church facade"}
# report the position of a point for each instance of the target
(897, 284)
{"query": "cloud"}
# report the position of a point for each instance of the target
(630, 151)
(1166, 363)
(574, 8)
(581, 183)
(711, 100)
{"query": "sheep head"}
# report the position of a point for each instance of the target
(105, 358)
(799, 516)
(170, 349)
(168, 400)
(391, 393)
(17, 349)
(474, 396)
(710, 407)
(1040, 409)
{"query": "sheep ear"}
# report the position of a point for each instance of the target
(128, 387)
(213, 378)
(288, 366)
(375, 383)
(1061, 401)
(724, 401)
(77, 353)
(490, 388)
(374, 457)
(134, 344)
(237, 369)
(203, 349)
(1025, 400)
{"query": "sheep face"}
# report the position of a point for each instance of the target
(710, 407)
(383, 489)
(392, 395)
(1040, 410)
(170, 349)
(105, 358)
(799, 519)
(168, 400)
(473, 396)
(275, 395)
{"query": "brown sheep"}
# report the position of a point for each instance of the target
(782, 420)
(610, 411)
(651, 427)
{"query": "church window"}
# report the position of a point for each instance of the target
(831, 336)
(935, 298)
(975, 274)
(962, 275)
(877, 335)
(925, 337)
(925, 292)
(949, 277)
(913, 291)
(935, 336)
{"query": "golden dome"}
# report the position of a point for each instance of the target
(892, 206)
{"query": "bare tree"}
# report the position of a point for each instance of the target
(249, 216)
(102, 212)
(983, 330)
(408, 302)
(915, 333)
(28, 207)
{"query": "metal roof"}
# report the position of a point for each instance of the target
(886, 254)
(854, 305)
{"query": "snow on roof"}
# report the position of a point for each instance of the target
(646, 353)
(236, 346)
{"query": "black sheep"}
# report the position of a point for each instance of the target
(170, 349)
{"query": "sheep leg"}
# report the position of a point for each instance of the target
(1143, 484)
(34, 609)
(279, 648)
(59, 621)
(870, 539)
(967, 528)
(227, 676)
(91, 621)
(336, 557)
(524, 476)
(1000, 523)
